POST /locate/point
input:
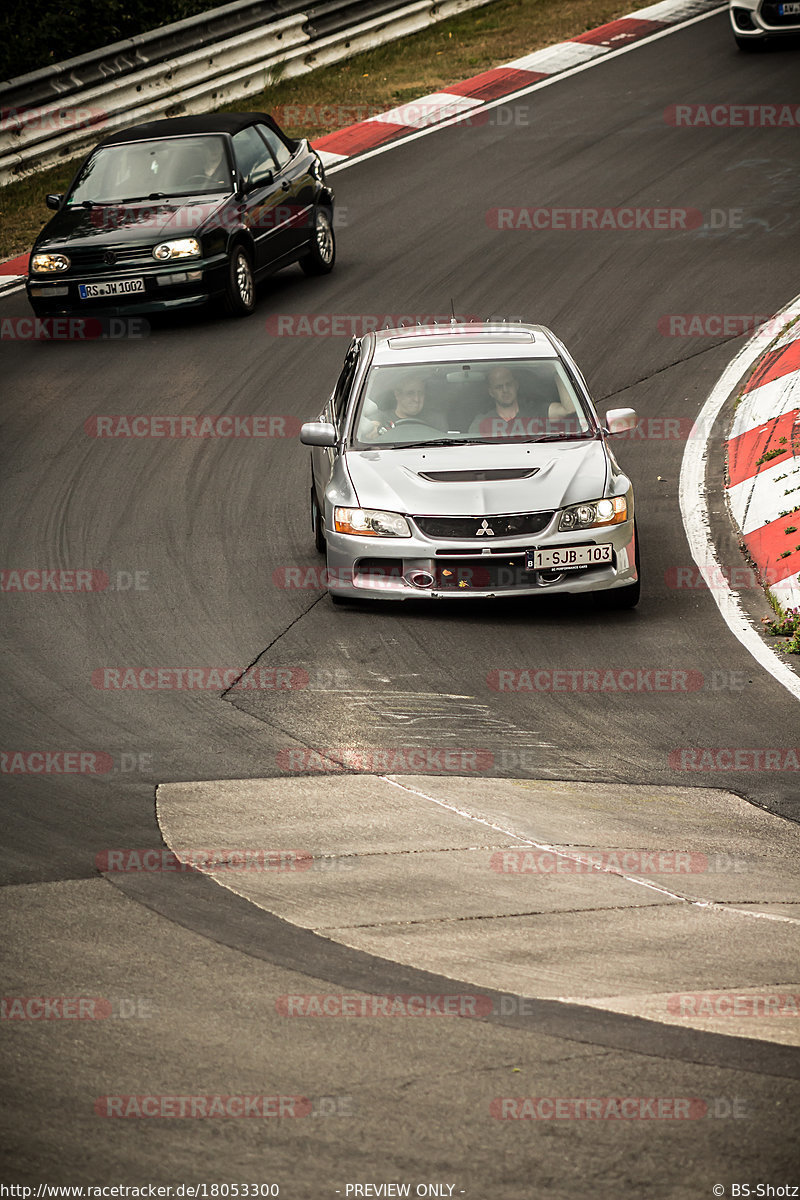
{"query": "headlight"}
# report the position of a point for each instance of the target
(370, 522)
(594, 513)
(183, 248)
(49, 262)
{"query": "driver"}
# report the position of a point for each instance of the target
(408, 402)
(212, 165)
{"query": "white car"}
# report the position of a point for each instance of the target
(755, 21)
(467, 460)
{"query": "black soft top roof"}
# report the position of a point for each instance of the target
(186, 126)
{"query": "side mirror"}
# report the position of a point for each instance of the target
(53, 201)
(620, 420)
(318, 433)
(262, 179)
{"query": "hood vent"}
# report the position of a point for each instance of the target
(487, 476)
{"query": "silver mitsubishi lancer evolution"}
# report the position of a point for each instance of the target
(468, 460)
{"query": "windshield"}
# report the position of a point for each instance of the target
(469, 402)
(154, 170)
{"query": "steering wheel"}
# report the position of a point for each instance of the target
(383, 430)
(207, 180)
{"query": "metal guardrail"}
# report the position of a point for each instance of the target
(219, 57)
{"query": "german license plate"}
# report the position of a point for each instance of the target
(566, 557)
(115, 287)
(789, 10)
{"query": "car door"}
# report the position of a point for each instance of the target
(264, 198)
(297, 188)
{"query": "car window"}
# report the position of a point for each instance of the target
(253, 157)
(281, 152)
(482, 401)
(164, 167)
(341, 393)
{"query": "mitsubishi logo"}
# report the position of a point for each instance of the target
(483, 528)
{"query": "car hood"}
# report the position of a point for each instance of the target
(563, 473)
(146, 222)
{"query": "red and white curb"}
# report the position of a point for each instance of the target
(13, 272)
(756, 361)
(466, 99)
(763, 454)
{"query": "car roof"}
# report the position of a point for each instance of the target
(459, 340)
(229, 123)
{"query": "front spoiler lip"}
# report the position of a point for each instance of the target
(344, 551)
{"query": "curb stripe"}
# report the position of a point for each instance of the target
(746, 449)
(775, 365)
(766, 545)
(501, 81)
(620, 32)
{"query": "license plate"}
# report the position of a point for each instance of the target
(566, 557)
(789, 10)
(115, 287)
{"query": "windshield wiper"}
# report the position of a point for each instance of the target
(433, 442)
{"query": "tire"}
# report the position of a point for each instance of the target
(322, 253)
(240, 287)
(317, 523)
(624, 597)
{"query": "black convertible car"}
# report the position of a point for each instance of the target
(177, 213)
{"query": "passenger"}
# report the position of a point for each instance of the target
(509, 418)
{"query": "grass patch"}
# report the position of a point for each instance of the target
(371, 82)
(785, 625)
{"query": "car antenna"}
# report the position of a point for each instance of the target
(453, 320)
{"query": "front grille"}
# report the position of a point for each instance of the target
(93, 259)
(770, 14)
(510, 525)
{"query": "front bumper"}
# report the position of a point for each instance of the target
(760, 19)
(187, 284)
(383, 568)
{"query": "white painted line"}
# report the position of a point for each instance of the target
(329, 158)
(694, 511)
(577, 857)
(527, 91)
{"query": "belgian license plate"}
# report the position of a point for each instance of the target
(789, 10)
(115, 287)
(568, 556)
